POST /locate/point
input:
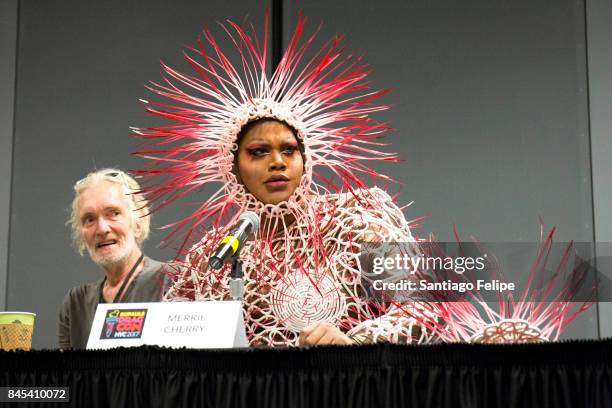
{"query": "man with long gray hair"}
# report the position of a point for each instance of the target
(110, 219)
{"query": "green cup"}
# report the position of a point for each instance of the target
(16, 329)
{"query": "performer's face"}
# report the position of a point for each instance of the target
(270, 164)
(109, 230)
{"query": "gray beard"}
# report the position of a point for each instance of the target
(110, 261)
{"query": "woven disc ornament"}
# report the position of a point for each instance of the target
(508, 332)
(299, 304)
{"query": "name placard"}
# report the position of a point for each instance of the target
(173, 324)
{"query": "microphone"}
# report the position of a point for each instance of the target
(247, 224)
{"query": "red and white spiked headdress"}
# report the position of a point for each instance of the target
(324, 98)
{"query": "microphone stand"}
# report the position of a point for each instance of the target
(236, 284)
(236, 292)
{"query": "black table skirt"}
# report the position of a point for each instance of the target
(569, 374)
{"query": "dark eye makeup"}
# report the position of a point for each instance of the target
(262, 150)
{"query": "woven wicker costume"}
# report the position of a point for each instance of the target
(303, 265)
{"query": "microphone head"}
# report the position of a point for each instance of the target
(252, 218)
(215, 262)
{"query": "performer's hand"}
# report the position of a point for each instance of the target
(322, 333)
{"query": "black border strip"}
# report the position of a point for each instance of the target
(12, 174)
(579, 353)
(585, 11)
(277, 32)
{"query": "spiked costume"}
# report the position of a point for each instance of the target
(303, 265)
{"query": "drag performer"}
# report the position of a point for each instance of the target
(265, 139)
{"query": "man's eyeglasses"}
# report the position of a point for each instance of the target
(111, 174)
